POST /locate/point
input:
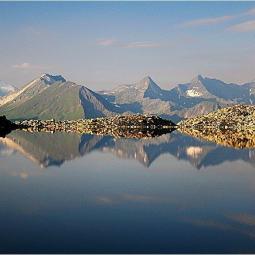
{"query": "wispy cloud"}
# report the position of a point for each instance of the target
(207, 21)
(217, 20)
(208, 223)
(141, 45)
(248, 219)
(131, 45)
(230, 226)
(106, 42)
(246, 26)
(26, 66)
(250, 12)
(105, 200)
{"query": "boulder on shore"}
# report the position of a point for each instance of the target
(6, 126)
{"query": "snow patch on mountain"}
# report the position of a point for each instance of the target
(194, 151)
(193, 93)
(50, 79)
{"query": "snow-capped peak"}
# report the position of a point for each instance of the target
(50, 79)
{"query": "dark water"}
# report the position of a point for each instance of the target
(90, 194)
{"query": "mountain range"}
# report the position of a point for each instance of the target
(47, 149)
(51, 96)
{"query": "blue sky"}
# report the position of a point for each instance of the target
(103, 44)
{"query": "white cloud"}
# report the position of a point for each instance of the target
(141, 45)
(134, 45)
(217, 20)
(26, 66)
(106, 42)
(207, 21)
(248, 219)
(250, 12)
(246, 26)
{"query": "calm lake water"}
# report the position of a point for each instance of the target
(94, 194)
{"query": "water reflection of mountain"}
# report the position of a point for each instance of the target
(54, 149)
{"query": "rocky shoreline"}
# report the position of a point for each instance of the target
(129, 126)
(232, 126)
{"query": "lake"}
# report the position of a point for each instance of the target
(71, 193)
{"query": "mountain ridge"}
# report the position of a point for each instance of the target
(52, 96)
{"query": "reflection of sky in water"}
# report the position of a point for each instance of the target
(104, 198)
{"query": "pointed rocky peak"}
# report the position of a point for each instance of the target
(50, 79)
(148, 84)
(198, 78)
(199, 82)
(146, 79)
(196, 88)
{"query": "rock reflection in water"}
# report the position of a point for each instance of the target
(224, 137)
(54, 149)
